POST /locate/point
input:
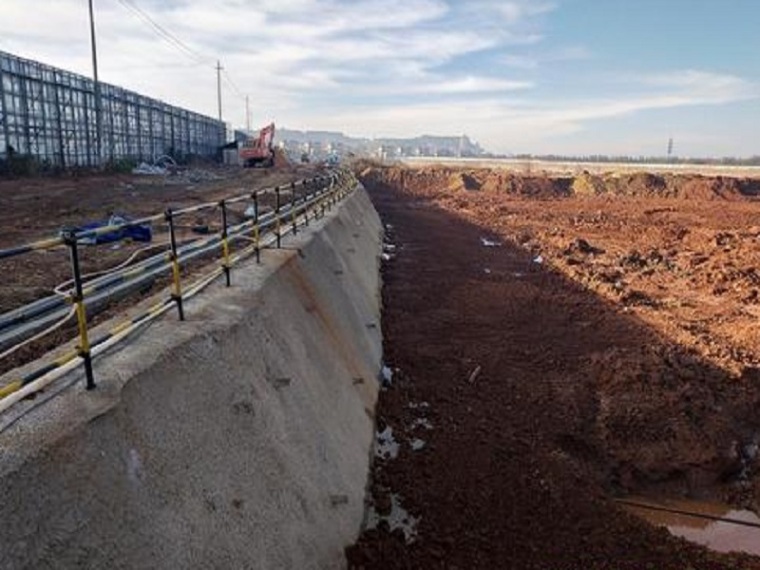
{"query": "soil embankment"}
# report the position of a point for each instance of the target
(553, 349)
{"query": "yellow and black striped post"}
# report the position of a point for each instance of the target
(306, 190)
(323, 202)
(225, 244)
(256, 231)
(293, 221)
(174, 257)
(277, 215)
(83, 347)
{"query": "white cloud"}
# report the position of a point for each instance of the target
(468, 85)
(712, 86)
(504, 125)
(395, 67)
(536, 60)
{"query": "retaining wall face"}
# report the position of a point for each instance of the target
(239, 439)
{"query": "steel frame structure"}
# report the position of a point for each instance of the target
(49, 113)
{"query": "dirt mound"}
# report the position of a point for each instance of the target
(463, 181)
(636, 185)
(588, 185)
(750, 187)
(458, 180)
(644, 184)
(280, 159)
(703, 188)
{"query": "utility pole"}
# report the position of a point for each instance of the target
(98, 106)
(247, 115)
(219, 87)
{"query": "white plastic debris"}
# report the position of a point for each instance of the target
(421, 423)
(149, 169)
(250, 211)
(398, 519)
(386, 446)
(538, 259)
(489, 243)
(387, 376)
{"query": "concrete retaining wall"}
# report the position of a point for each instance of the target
(238, 439)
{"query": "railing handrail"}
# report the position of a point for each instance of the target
(48, 243)
(340, 184)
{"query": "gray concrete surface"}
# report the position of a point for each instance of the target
(238, 439)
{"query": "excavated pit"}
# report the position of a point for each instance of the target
(577, 339)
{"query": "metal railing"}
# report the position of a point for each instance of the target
(261, 231)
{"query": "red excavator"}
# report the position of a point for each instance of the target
(259, 151)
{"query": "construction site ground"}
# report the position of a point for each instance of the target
(36, 208)
(554, 344)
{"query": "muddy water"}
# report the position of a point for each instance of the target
(702, 526)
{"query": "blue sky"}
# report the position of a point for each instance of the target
(554, 76)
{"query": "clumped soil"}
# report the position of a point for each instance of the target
(606, 346)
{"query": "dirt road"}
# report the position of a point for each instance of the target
(529, 391)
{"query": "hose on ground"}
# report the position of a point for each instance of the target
(39, 335)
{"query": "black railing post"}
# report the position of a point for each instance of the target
(174, 258)
(83, 347)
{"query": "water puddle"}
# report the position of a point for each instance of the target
(714, 525)
(398, 518)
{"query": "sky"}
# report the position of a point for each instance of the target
(576, 77)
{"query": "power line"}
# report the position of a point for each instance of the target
(232, 84)
(164, 33)
(188, 51)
